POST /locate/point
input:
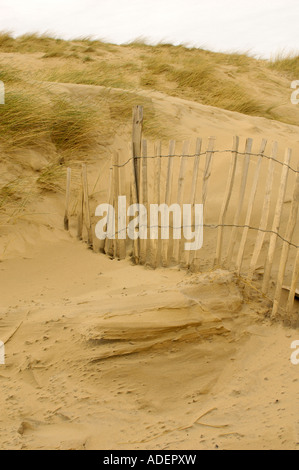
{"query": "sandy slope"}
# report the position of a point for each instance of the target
(101, 354)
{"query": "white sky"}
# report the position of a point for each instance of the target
(262, 27)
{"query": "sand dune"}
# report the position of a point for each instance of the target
(102, 354)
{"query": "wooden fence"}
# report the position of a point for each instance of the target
(254, 222)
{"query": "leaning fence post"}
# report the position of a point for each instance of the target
(250, 207)
(122, 216)
(265, 214)
(154, 251)
(80, 211)
(226, 201)
(276, 221)
(136, 142)
(180, 196)
(193, 189)
(86, 204)
(205, 183)
(67, 199)
(171, 152)
(233, 237)
(115, 181)
(134, 192)
(286, 245)
(144, 200)
(208, 169)
(108, 248)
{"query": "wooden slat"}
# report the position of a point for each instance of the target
(208, 169)
(180, 195)
(234, 233)
(115, 185)
(136, 245)
(198, 146)
(169, 177)
(86, 205)
(67, 199)
(136, 141)
(122, 218)
(109, 243)
(80, 211)
(144, 201)
(286, 246)
(265, 214)
(205, 185)
(276, 221)
(226, 201)
(154, 251)
(250, 207)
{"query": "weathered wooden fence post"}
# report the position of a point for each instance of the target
(276, 221)
(226, 201)
(144, 200)
(86, 204)
(205, 184)
(154, 243)
(109, 243)
(115, 184)
(168, 190)
(250, 207)
(286, 245)
(122, 216)
(67, 198)
(177, 231)
(189, 258)
(234, 233)
(80, 210)
(137, 142)
(134, 194)
(208, 169)
(265, 214)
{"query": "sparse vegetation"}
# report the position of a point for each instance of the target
(192, 73)
(51, 178)
(21, 121)
(37, 115)
(288, 64)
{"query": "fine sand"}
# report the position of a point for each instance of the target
(101, 354)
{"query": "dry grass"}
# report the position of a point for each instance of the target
(30, 119)
(287, 63)
(92, 73)
(14, 197)
(193, 73)
(73, 125)
(51, 178)
(22, 123)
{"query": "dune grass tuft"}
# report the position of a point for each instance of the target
(24, 120)
(51, 178)
(73, 125)
(287, 63)
(92, 73)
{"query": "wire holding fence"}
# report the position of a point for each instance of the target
(246, 220)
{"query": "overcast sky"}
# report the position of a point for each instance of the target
(263, 27)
